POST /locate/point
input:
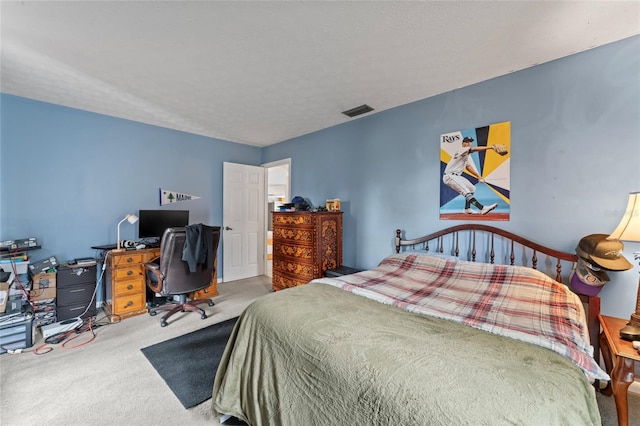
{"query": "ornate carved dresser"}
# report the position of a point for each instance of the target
(305, 245)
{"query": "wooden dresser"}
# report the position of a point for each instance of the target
(305, 245)
(125, 282)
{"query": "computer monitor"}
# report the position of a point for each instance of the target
(152, 223)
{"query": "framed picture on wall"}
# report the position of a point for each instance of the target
(475, 173)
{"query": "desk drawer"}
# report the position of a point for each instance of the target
(123, 287)
(131, 272)
(129, 303)
(121, 260)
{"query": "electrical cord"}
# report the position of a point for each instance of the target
(88, 325)
(25, 294)
(95, 290)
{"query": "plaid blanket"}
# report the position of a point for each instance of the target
(512, 301)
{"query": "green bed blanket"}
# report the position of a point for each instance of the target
(317, 355)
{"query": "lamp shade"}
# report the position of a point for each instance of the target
(629, 230)
(629, 227)
(131, 218)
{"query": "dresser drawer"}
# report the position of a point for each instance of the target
(280, 282)
(304, 272)
(123, 287)
(293, 235)
(127, 273)
(296, 251)
(127, 258)
(296, 220)
(123, 305)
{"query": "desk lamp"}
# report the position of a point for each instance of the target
(629, 230)
(131, 218)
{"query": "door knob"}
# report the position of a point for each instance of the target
(226, 228)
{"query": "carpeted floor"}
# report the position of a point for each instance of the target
(608, 414)
(109, 381)
(188, 363)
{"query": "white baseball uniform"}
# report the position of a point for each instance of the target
(452, 175)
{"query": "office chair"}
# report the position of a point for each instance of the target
(171, 276)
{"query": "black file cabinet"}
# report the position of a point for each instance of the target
(76, 286)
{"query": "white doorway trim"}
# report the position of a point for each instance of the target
(284, 163)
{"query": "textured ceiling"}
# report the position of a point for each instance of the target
(262, 72)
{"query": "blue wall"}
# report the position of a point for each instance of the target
(68, 176)
(575, 156)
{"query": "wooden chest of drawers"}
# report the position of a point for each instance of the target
(125, 283)
(305, 244)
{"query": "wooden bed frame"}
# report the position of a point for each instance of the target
(447, 242)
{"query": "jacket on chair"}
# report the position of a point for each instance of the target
(198, 246)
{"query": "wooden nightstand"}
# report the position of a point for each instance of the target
(619, 357)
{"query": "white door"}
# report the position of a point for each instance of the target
(243, 221)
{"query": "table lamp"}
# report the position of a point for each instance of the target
(629, 230)
(131, 218)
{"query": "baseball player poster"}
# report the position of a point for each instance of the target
(474, 166)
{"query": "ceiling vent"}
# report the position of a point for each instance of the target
(362, 109)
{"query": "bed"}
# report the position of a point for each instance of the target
(439, 333)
